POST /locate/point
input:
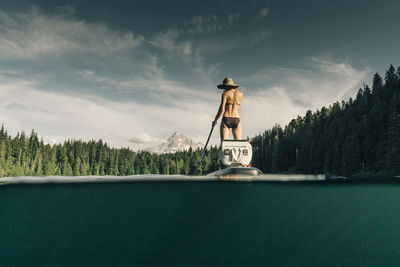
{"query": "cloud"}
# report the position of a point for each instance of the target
(76, 55)
(163, 91)
(209, 24)
(262, 14)
(66, 10)
(263, 109)
(59, 116)
(233, 17)
(145, 138)
(280, 94)
(204, 25)
(168, 41)
(33, 34)
(214, 36)
(213, 47)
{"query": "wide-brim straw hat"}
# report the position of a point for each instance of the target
(228, 82)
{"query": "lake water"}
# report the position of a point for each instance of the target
(151, 220)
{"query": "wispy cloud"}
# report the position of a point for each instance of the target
(33, 34)
(232, 17)
(60, 44)
(261, 14)
(169, 41)
(145, 138)
(204, 25)
(281, 94)
(163, 91)
(263, 109)
(209, 24)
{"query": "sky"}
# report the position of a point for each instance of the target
(134, 72)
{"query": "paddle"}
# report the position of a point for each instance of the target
(204, 150)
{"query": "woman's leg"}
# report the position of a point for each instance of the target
(224, 131)
(237, 132)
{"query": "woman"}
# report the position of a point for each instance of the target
(230, 103)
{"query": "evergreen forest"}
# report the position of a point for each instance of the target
(359, 137)
(28, 156)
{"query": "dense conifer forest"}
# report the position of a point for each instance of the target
(28, 156)
(357, 137)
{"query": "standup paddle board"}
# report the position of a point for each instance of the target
(235, 156)
(236, 172)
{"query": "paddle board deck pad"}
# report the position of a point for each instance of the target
(236, 173)
(235, 153)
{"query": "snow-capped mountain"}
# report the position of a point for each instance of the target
(177, 142)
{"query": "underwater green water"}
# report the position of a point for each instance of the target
(201, 223)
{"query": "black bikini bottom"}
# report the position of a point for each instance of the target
(231, 122)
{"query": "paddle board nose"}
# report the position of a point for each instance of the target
(235, 153)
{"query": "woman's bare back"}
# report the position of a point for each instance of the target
(233, 99)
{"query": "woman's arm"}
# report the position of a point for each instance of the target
(221, 109)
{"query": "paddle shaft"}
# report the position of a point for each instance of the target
(204, 150)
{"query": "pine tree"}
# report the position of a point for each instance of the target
(390, 79)
(275, 155)
(77, 167)
(377, 86)
(66, 167)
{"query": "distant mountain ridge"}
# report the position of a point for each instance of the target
(177, 142)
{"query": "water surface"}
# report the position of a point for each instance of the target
(199, 222)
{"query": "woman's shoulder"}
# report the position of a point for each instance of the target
(226, 93)
(232, 93)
